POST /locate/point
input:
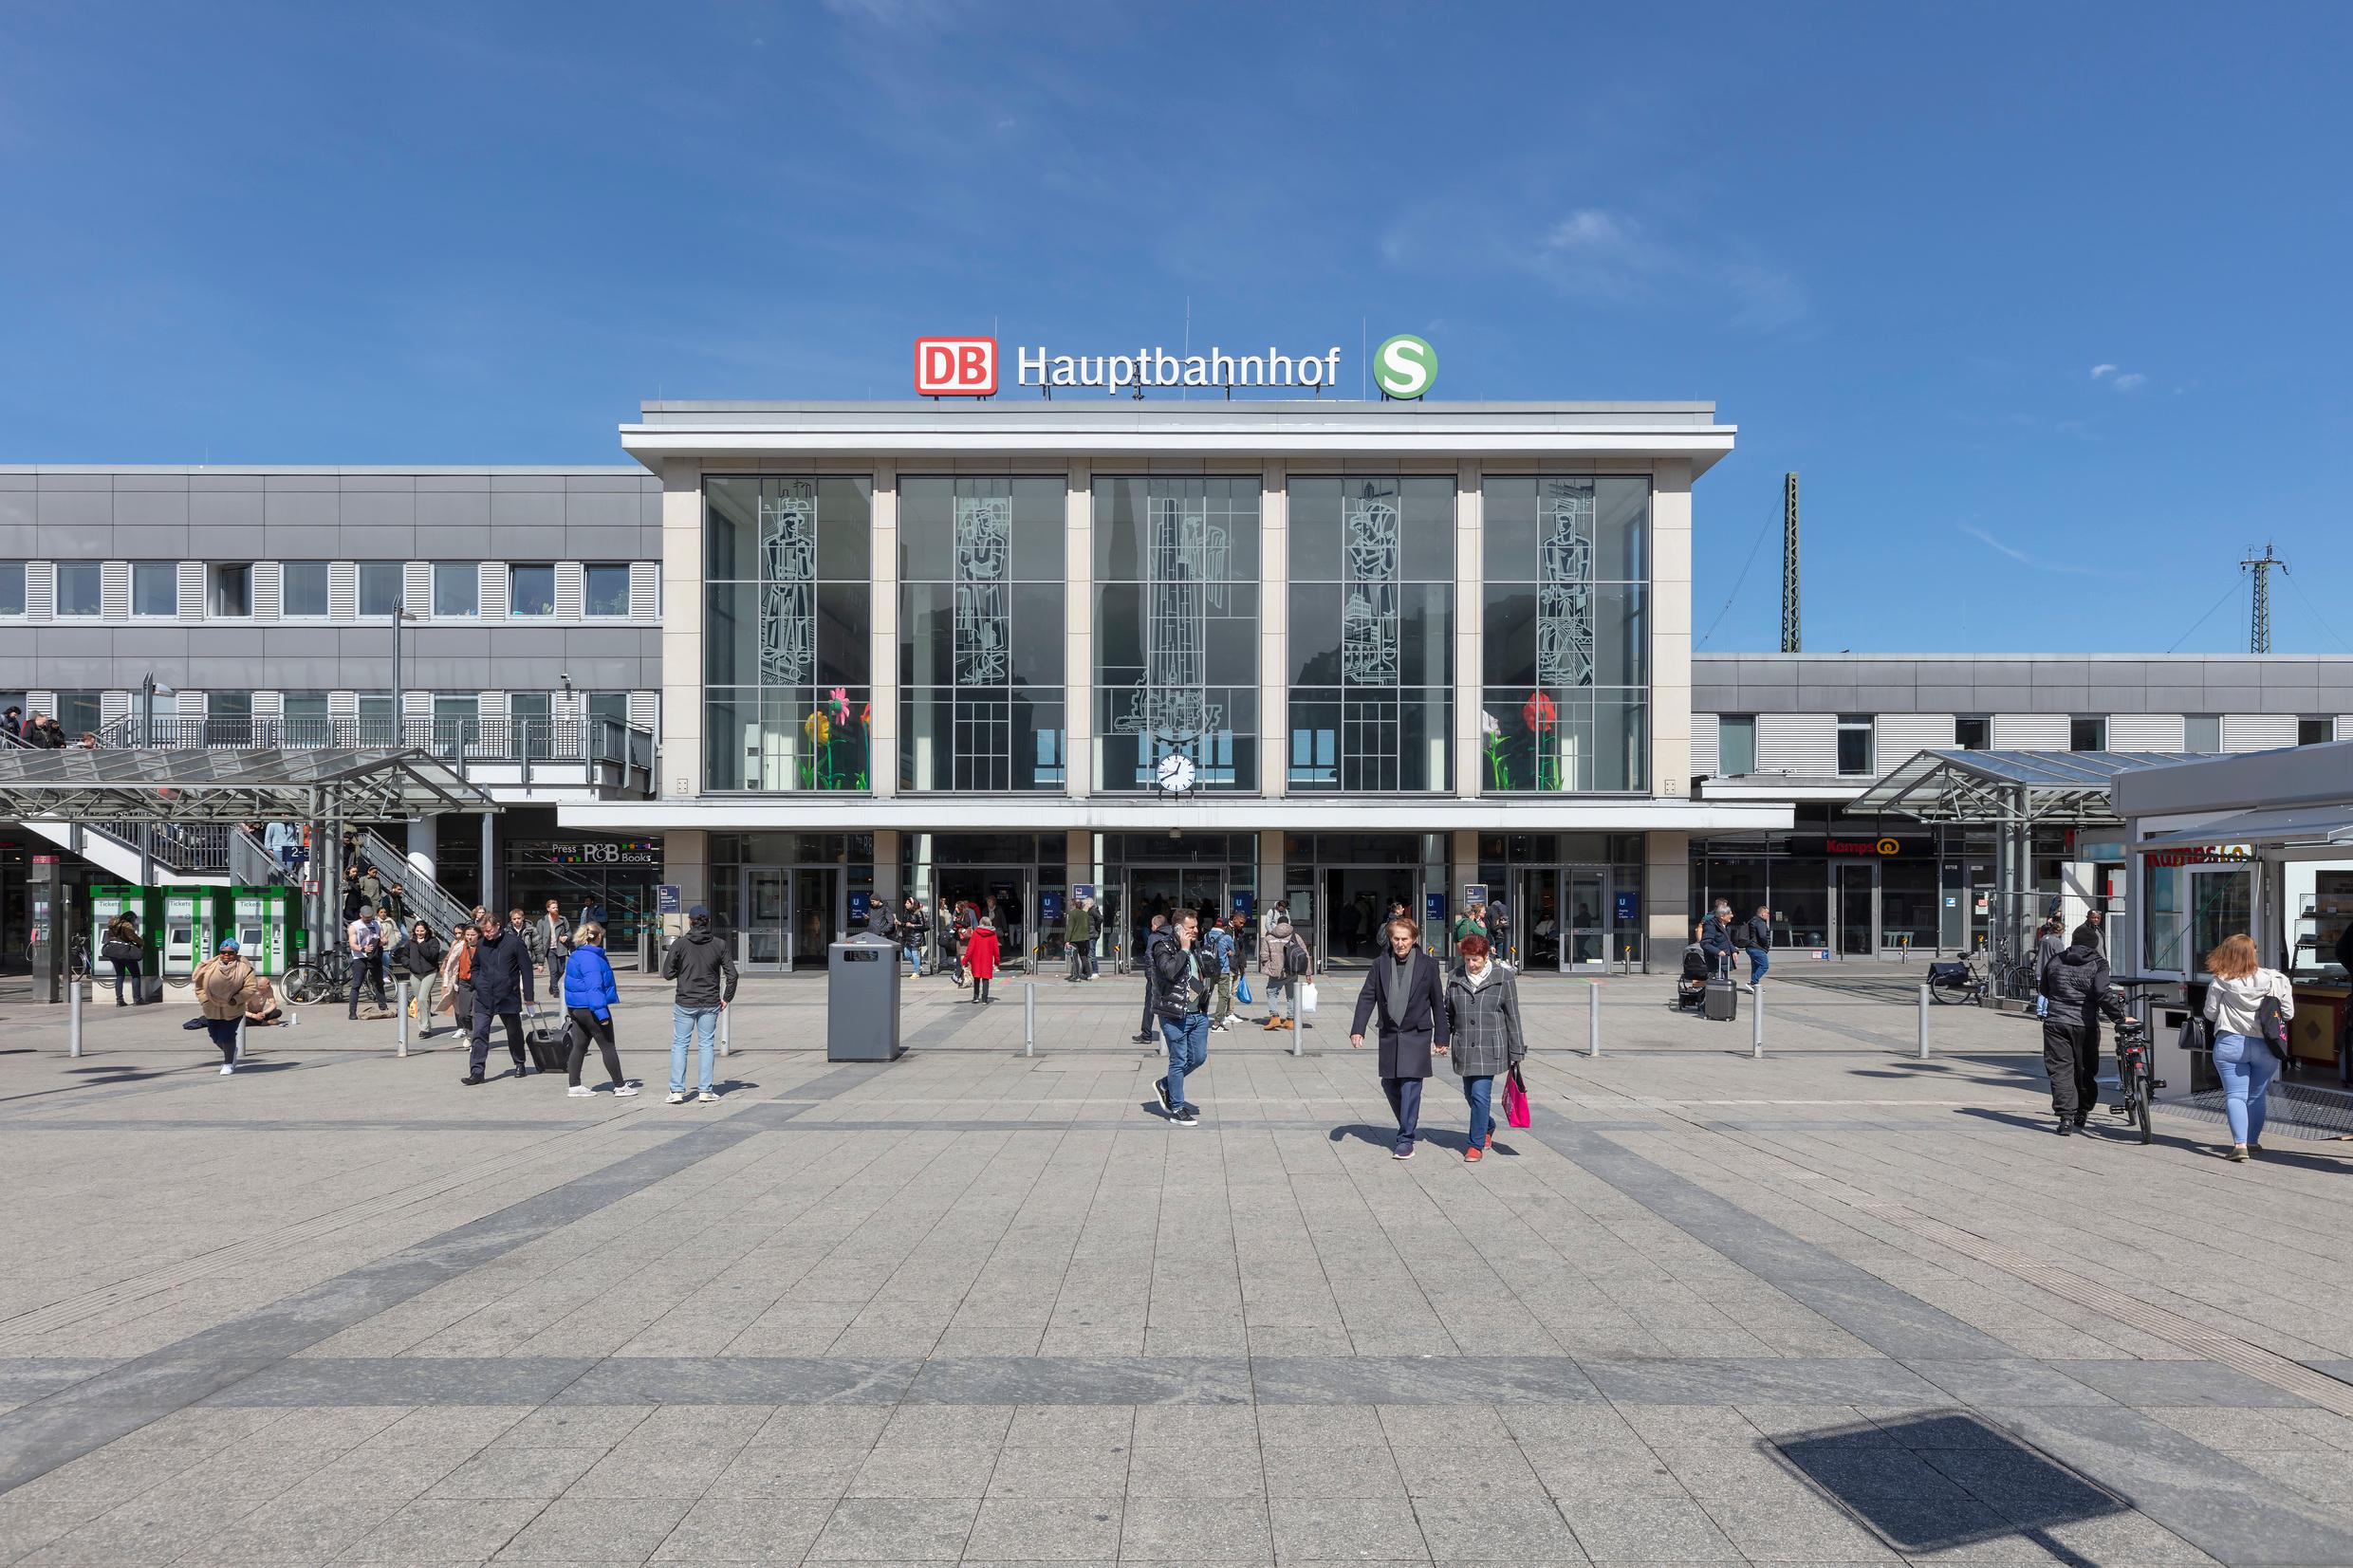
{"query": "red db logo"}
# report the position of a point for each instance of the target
(956, 368)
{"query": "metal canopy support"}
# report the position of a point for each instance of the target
(371, 784)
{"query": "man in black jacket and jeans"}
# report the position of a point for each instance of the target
(2075, 992)
(500, 960)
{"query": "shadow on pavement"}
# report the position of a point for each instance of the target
(1939, 1482)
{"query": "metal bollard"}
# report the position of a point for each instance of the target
(239, 1057)
(1923, 1023)
(73, 1018)
(1295, 1047)
(1593, 1019)
(1756, 1023)
(727, 1035)
(1029, 1017)
(401, 1014)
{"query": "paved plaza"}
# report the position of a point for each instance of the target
(1838, 1305)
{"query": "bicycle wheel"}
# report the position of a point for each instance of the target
(306, 984)
(2144, 1091)
(1950, 993)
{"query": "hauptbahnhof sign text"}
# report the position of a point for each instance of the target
(968, 367)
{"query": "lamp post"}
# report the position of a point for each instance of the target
(399, 720)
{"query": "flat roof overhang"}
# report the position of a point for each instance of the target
(1205, 814)
(1089, 427)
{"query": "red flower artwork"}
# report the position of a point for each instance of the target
(1539, 712)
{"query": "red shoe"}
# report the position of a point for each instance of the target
(1473, 1155)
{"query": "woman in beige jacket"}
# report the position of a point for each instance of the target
(224, 984)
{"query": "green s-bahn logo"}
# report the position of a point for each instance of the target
(1406, 365)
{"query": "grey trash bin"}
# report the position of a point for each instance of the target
(861, 1001)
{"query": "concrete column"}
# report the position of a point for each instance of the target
(1078, 619)
(686, 860)
(1470, 604)
(1463, 860)
(1666, 899)
(1671, 629)
(424, 846)
(1274, 619)
(882, 739)
(1078, 853)
(680, 767)
(886, 866)
(1269, 868)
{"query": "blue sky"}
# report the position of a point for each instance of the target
(2045, 303)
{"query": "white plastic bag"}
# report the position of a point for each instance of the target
(1306, 996)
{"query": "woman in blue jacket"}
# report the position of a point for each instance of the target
(589, 996)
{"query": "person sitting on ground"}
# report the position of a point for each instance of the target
(260, 1006)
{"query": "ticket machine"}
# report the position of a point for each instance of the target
(264, 921)
(193, 927)
(145, 905)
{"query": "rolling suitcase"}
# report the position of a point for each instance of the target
(550, 1046)
(1721, 1003)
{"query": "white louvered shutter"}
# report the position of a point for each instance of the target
(416, 588)
(641, 708)
(39, 590)
(343, 603)
(2147, 732)
(571, 590)
(42, 702)
(2257, 731)
(1800, 744)
(494, 590)
(1705, 735)
(644, 590)
(191, 705)
(269, 705)
(416, 718)
(114, 590)
(1897, 738)
(113, 706)
(192, 604)
(2030, 731)
(269, 592)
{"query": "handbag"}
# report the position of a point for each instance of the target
(2273, 1027)
(1306, 996)
(118, 951)
(1515, 1111)
(1242, 991)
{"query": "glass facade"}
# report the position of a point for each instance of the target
(1177, 629)
(980, 642)
(1566, 635)
(1370, 634)
(787, 572)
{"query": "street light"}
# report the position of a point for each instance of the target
(149, 689)
(400, 725)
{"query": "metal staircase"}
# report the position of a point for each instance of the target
(427, 899)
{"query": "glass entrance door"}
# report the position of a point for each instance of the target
(1004, 894)
(812, 917)
(760, 933)
(1588, 917)
(1857, 926)
(1164, 889)
(1357, 900)
(1536, 922)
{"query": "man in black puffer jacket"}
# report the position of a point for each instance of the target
(499, 962)
(1181, 975)
(2075, 992)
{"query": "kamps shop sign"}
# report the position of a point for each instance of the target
(1403, 367)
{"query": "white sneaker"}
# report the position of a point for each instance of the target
(622, 1090)
(580, 1091)
(226, 1069)
(677, 1100)
(706, 1097)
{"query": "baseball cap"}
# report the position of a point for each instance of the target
(698, 913)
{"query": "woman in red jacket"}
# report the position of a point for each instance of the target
(980, 958)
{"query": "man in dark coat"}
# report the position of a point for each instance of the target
(499, 963)
(1157, 934)
(2074, 991)
(1407, 989)
(1716, 940)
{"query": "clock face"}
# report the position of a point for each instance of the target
(1175, 772)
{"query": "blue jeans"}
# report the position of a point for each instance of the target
(1480, 1092)
(1759, 961)
(1188, 1049)
(915, 956)
(1405, 1099)
(701, 1024)
(2246, 1067)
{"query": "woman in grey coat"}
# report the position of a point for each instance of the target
(1483, 1014)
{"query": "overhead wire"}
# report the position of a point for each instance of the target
(1736, 584)
(2317, 617)
(2228, 594)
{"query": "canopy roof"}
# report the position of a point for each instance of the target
(2058, 788)
(2291, 825)
(135, 785)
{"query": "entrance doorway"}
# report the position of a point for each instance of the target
(788, 918)
(1568, 917)
(1164, 889)
(1356, 902)
(1004, 894)
(1858, 923)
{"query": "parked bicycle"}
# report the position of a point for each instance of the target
(317, 980)
(2136, 1077)
(77, 957)
(1964, 981)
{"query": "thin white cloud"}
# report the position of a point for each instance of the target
(2040, 563)
(2129, 380)
(1606, 257)
(2098, 371)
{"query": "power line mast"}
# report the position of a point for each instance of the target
(1791, 638)
(2259, 632)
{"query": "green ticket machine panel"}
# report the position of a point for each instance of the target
(264, 921)
(145, 905)
(195, 920)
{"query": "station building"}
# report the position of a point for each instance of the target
(796, 657)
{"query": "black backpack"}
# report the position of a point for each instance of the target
(1295, 955)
